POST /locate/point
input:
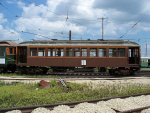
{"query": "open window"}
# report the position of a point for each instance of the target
(33, 51)
(60, 52)
(102, 52)
(77, 52)
(112, 52)
(69, 52)
(51, 52)
(93, 52)
(84, 52)
(41, 52)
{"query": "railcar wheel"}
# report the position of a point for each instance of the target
(125, 72)
(111, 71)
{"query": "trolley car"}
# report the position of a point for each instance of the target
(116, 56)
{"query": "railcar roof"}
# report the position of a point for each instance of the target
(79, 42)
(8, 43)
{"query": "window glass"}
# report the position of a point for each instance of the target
(41, 52)
(33, 51)
(10, 51)
(77, 51)
(137, 52)
(121, 52)
(102, 52)
(84, 51)
(69, 52)
(129, 53)
(51, 52)
(112, 52)
(133, 52)
(93, 52)
(2, 52)
(59, 52)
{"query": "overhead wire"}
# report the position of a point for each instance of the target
(131, 28)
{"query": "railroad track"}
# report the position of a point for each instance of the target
(87, 75)
(76, 77)
(69, 78)
(73, 104)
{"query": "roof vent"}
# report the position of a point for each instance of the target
(54, 39)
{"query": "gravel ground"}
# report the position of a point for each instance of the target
(146, 111)
(97, 83)
(41, 110)
(100, 107)
(105, 81)
(14, 111)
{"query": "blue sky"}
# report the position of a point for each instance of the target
(22, 20)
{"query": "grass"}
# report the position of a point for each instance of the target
(28, 76)
(33, 76)
(18, 94)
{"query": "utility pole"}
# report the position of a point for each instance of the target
(102, 27)
(146, 49)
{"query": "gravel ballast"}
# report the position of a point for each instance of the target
(100, 107)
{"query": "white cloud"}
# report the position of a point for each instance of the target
(34, 11)
(7, 33)
(49, 19)
(52, 4)
(45, 19)
(146, 8)
(2, 19)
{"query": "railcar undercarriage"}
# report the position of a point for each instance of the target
(34, 70)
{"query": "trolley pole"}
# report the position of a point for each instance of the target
(102, 27)
(146, 50)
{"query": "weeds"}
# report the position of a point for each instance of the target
(17, 95)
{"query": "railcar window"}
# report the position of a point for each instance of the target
(129, 53)
(93, 52)
(69, 52)
(121, 52)
(77, 51)
(51, 52)
(136, 52)
(102, 52)
(84, 51)
(112, 52)
(60, 52)
(33, 51)
(41, 52)
(2, 52)
(10, 51)
(133, 52)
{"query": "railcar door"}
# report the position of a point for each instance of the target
(133, 55)
(2, 55)
(22, 54)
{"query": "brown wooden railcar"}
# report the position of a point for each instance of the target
(119, 56)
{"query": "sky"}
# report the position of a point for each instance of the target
(26, 20)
